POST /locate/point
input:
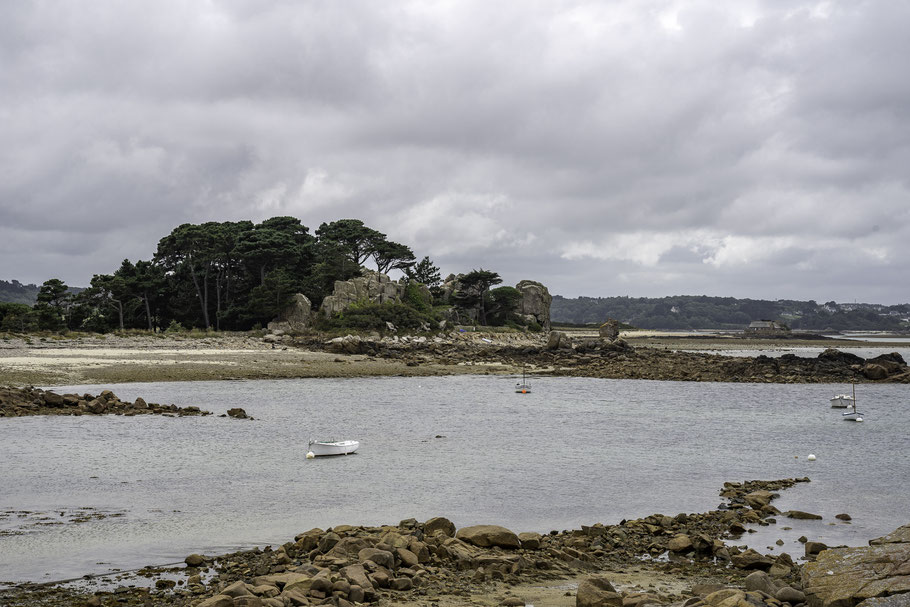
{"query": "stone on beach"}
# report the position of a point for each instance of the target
(485, 536)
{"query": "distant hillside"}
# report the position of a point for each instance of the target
(702, 312)
(16, 292)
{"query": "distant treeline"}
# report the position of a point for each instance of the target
(16, 292)
(214, 275)
(240, 275)
(703, 312)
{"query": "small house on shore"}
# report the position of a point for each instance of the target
(766, 327)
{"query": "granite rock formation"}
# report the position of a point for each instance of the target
(534, 305)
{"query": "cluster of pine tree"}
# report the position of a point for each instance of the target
(238, 276)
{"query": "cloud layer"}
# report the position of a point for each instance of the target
(643, 148)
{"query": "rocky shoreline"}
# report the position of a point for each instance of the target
(19, 402)
(617, 359)
(686, 560)
(116, 359)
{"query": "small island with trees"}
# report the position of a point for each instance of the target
(240, 276)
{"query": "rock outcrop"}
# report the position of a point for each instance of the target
(372, 287)
(296, 318)
(534, 305)
(843, 577)
(610, 329)
(19, 402)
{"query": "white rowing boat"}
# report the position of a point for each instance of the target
(340, 447)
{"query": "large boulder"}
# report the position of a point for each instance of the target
(437, 524)
(836, 356)
(535, 301)
(609, 330)
(558, 340)
(842, 577)
(296, 318)
(597, 591)
(488, 535)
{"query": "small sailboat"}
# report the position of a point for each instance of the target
(853, 415)
(841, 401)
(523, 387)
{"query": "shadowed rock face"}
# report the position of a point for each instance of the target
(843, 577)
(535, 301)
(296, 317)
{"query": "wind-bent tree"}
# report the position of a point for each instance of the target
(352, 237)
(472, 291)
(390, 255)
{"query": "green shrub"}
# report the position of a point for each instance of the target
(372, 316)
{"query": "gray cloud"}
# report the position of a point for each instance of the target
(640, 148)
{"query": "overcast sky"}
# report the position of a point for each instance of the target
(642, 147)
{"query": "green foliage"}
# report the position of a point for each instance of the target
(223, 276)
(17, 318)
(471, 293)
(52, 305)
(373, 316)
(501, 305)
(417, 298)
(424, 272)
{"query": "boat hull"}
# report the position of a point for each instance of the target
(324, 448)
(842, 401)
(522, 389)
(852, 416)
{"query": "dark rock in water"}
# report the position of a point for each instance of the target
(805, 516)
(843, 517)
(238, 413)
(873, 371)
(813, 548)
(194, 560)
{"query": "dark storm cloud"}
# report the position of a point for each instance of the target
(644, 148)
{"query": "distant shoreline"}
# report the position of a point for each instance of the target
(113, 359)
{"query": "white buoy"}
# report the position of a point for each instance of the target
(859, 419)
(310, 455)
(811, 457)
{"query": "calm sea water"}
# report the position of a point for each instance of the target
(575, 451)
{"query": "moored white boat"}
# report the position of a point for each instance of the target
(341, 447)
(842, 401)
(853, 415)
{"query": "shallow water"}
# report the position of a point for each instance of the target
(574, 451)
